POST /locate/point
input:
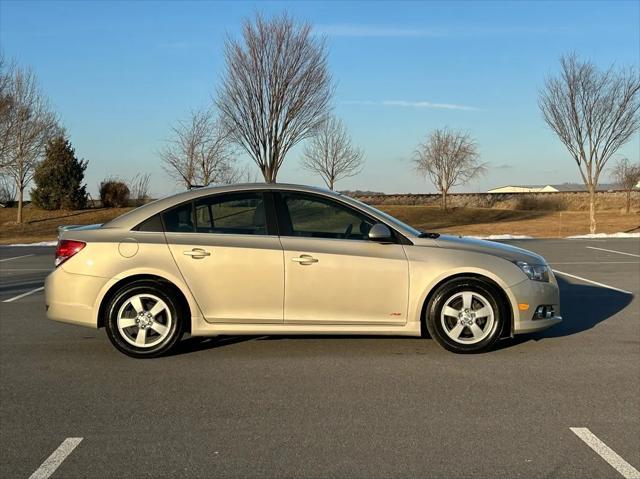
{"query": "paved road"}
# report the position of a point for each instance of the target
(329, 407)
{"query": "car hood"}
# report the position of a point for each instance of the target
(508, 252)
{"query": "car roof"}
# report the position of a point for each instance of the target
(138, 215)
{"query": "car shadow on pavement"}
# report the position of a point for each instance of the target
(192, 344)
(582, 307)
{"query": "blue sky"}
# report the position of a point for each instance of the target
(120, 73)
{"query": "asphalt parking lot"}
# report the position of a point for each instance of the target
(330, 406)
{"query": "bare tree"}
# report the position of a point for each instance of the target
(627, 176)
(139, 188)
(276, 89)
(32, 125)
(6, 108)
(331, 154)
(449, 158)
(7, 190)
(594, 113)
(198, 152)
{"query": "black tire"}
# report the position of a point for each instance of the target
(449, 292)
(172, 315)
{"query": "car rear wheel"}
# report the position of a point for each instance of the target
(144, 320)
(465, 315)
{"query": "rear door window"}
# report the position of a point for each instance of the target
(237, 213)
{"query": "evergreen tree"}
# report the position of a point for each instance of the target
(59, 178)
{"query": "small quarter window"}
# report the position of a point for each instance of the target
(153, 224)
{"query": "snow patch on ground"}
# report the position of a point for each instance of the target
(41, 243)
(501, 237)
(605, 235)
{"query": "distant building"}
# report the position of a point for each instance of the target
(524, 189)
(565, 187)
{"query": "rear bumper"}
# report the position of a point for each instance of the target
(534, 294)
(71, 298)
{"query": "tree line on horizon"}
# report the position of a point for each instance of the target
(276, 91)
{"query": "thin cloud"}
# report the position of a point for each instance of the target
(364, 30)
(352, 30)
(414, 104)
(504, 166)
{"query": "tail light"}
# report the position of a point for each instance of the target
(66, 249)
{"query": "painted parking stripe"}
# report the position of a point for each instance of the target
(614, 251)
(16, 257)
(20, 296)
(558, 262)
(606, 453)
(52, 463)
(602, 285)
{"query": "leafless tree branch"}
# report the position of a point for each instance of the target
(627, 176)
(276, 89)
(31, 125)
(199, 151)
(449, 158)
(593, 113)
(331, 154)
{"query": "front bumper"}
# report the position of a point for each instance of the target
(534, 294)
(70, 298)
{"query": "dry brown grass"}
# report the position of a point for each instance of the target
(486, 221)
(42, 225)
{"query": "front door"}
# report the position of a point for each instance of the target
(229, 257)
(333, 273)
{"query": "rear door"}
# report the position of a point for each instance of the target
(230, 256)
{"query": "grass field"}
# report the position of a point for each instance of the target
(40, 225)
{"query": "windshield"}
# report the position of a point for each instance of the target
(390, 219)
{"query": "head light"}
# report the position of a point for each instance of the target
(535, 272)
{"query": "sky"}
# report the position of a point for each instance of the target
(120, 73)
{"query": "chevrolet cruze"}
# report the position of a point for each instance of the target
(285, 259)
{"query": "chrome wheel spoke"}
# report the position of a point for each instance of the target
(467, 299)
(456, 330)
(483, 312)
(141, 337)
(476, 331)
(470, 326)
(136, 302)
(158, 308)
(161, 329)
(449, 311)
(153, 320)
(126, 322)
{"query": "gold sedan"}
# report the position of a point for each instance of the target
(286, 259)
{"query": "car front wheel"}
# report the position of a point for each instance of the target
(143, 320)
(465, 315)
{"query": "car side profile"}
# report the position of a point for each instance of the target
(284, 259)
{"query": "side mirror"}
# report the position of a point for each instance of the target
(381, 233)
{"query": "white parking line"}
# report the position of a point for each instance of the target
(52, 463)
(16, 257)
(606, 453)
(592, 282)
(20, 296)
(576, 262)
(614, 251)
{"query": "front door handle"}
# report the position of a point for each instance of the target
(196, 253)
(305, 259)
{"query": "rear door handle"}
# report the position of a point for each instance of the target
(196, 253)
(304, 259)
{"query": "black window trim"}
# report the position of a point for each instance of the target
(267, 198)
(285, 229)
